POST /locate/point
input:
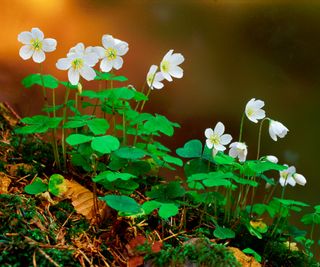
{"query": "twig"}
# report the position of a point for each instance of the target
(48, 257)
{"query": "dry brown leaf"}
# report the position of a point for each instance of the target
(4, 183)
(83, 201)
(13, 169)
(245, 260)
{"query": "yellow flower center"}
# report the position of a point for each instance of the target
(165, 65)
(250, 112)
(111, 54)
(36, 44)
(215, 139)
(77, 63)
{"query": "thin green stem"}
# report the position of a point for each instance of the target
(54, 142)
(124, 141)
(144, 101)
(259, 137)
(241, 127)
(63, 141)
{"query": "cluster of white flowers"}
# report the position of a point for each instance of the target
(216, 140)
(80, 60)
(169, 67)
(254, 112)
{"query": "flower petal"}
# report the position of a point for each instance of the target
(91, 59)
(26, 52)
(122, 48)
(37, 33)
(100, 51)
(117, 63)
(107, 41)
(168, 55)
(176, 72)
(167, 76)
(38, 56)
(87, 73)
(219, 147)
(73, 76)
(233, 152)
(177, 58)
(209, 144)
(25, 37)
(105, 65)
(63, 63)
(208, 132)
(49, 45)
(225, 139)
(219, 129)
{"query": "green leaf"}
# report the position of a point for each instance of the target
(105, 144)
(317, 208)
(161, 124)
(289, 202)
(191, 149)
(197, 166)
(168, 210)
(257, 167)
(223, 233)
(47, 81)
(98, 126)
(112, 176)
(74, 124)
(173, 160)
(69, 85)
(259, 208)
(109, 77)
(253, 253)
(223, 159)
(38, 124)
(312, 218)
(56, 184)
(150, 206)
(36, 187)
(130, 153)
(166, 192)
(122, 203)
(76, 139)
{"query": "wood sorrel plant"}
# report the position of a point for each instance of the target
(107, 135)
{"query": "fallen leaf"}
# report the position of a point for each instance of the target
(135, 261)
(13, 169)
(4, 183)
(243, 259)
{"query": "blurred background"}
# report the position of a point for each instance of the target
(235, 50)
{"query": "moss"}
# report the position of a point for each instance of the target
(200, 252)
(21, 239)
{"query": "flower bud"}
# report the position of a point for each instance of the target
(272, 159)
(300, 179)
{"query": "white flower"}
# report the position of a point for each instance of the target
(272, 159)
(35, 45)
(78, 62)
(300, 179)
(216, 139)
(238, 150)
(154, 78)
(286, 176)
(277, 129)
(169, 65)
(111, 53)
(253, 110)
